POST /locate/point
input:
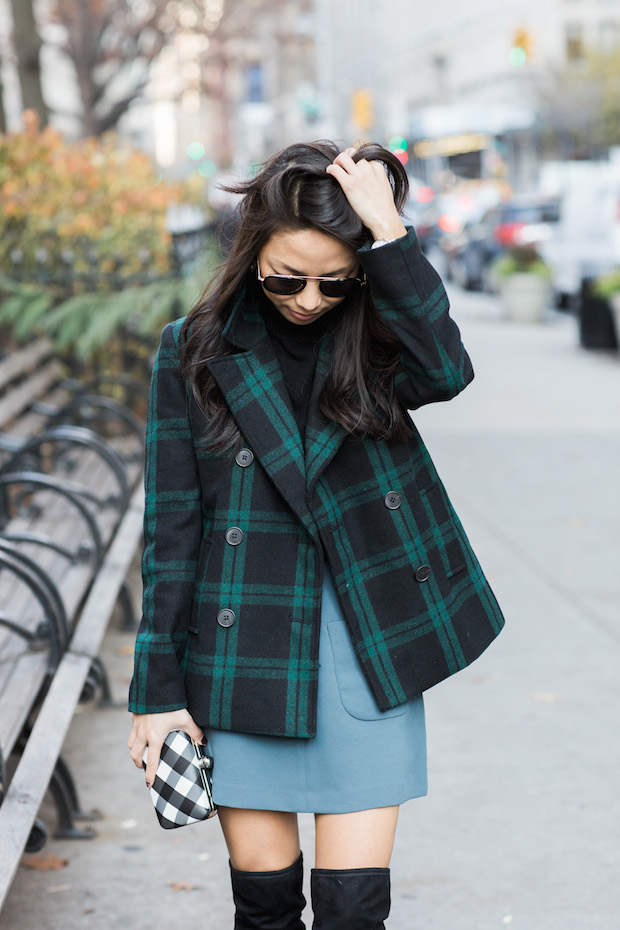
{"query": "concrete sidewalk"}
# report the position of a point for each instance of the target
(521, 827)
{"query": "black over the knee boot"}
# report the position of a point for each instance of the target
(269, 900)
(350, 899)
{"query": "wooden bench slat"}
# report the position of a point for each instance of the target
(23, 361)
(35, 768)
(34, 374)
(21, 397)
(27, 675)
(91, 627)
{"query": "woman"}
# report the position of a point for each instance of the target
(305, 576)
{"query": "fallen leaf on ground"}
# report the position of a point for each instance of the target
(545, 697)
(182, 886)
(47, 863)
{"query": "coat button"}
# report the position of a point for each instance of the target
(234, 536)
(423, 573)
(226, 617)
(392, 500)
(244, 457)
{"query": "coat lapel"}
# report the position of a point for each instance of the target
(323, 437)
(254, 389)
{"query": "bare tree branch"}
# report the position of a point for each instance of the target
(113, 44)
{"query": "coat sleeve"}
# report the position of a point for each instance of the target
(410, 297)
(172, 534)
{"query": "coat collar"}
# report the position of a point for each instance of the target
(245, 326)
(254, 389)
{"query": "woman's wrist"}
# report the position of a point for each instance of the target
(388, 232)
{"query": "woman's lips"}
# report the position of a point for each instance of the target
(304, 316)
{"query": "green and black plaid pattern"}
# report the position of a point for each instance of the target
(235, 545)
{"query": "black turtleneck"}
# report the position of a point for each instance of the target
(296, 347)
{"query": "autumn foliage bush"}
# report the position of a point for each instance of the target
(79, 202)
(84, 250)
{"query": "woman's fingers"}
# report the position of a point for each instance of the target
(344, 160)
(134, 732)
(367, 188)
(149, 732)
(194, 731)
(137, 740)
(153, 753)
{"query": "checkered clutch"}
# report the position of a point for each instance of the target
(181, 791)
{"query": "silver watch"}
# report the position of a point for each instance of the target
(379, 242)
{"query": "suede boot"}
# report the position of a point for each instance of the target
(269, 900)
(350, 899)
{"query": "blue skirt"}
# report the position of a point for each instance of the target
(361, 758)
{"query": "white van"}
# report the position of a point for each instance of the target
(586, 238)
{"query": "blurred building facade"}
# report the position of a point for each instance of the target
(460, 82)
(246, 90)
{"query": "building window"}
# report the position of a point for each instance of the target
(254, 83)
(575, 46)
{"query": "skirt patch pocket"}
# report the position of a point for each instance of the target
(355, 694)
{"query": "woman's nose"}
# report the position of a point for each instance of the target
(310, 298)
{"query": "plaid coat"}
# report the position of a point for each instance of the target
(235, 543)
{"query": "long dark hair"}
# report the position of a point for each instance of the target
(293, 191)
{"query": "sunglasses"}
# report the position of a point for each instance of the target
(288, 284)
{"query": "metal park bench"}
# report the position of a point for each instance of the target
(71, 506)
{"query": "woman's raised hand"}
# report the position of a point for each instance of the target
(368, 190)
(151, 730)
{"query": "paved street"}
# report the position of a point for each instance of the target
(521, 826)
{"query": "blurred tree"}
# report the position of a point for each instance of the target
(112, 45)
(27, 50)
(580, 108)
(62, 197)
(85, 253)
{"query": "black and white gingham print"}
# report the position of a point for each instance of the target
(180, 793)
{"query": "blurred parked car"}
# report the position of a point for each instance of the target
(525, 220)
(452, 213)
(469, 253)
(421, 211)
(471, 250)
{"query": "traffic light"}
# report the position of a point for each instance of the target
(362, 108)
(522, 47)
(398, 145)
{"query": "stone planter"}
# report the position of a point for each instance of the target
(525, 296)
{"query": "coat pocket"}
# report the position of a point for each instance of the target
(355, 694)
(445, 532)
(201, 572)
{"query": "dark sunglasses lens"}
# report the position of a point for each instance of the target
(339, 288)
(282, 286)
